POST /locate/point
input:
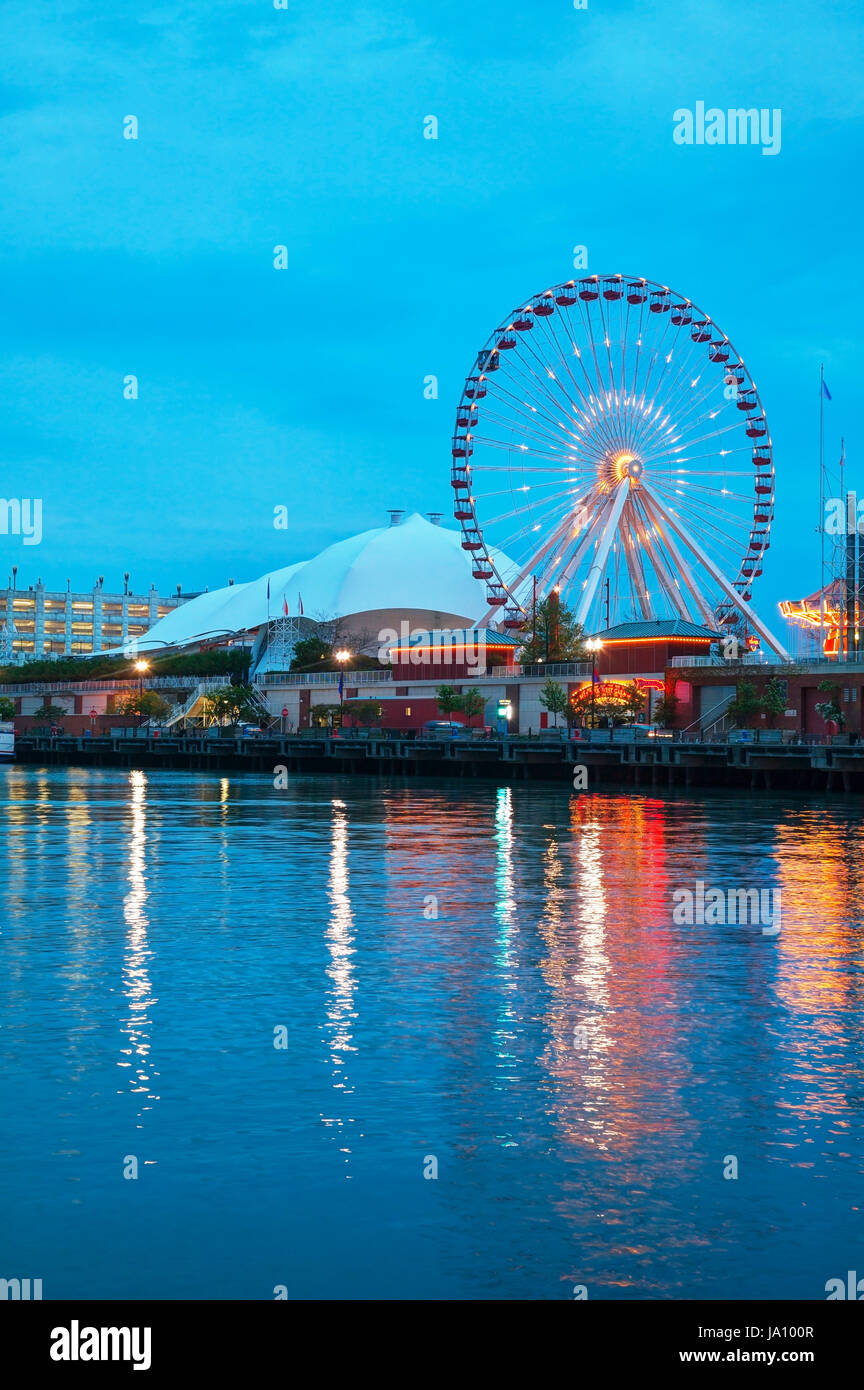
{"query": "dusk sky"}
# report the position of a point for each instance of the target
(303, 127)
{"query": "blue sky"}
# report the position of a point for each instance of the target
(304, 127)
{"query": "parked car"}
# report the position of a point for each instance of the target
(651, 731)
(443, 728)
(250, 731)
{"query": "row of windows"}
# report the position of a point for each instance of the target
(58, 607)
(53, 629)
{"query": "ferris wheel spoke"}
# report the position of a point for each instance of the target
(731, 593)
(538, 556)
(705, 473)
(607, 341)
(536, 514)
(662, 565)
(729, 547)
(678, 381)
(601, 384)
(705, 504)
(534, 521)
(537, 418)
(675, 452)
(573, 448)
(538, 437)
(576, 413)
(703, 609)
(543, 376)
(593, 386)
(521, 450)
(635, 567)
(548, 328)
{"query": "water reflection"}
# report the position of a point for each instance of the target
(504, 1036)
(485, 926)
(137, 954)
(339, 937)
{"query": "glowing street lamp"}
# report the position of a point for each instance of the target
(140, 667)
(593, 645)
(342, 656)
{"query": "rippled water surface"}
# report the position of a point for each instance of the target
(160, 931)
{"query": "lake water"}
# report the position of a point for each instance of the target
(487, 979)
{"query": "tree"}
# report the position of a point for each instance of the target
(310, 652)
(633, 704)
(472, 703)
(448, 700)
(743, 709)
(323, 716)
(830, 710)
(365, 711)
(71, 668)
(49, 714)
(550, 633)
(7, 707)
(146, 705)
(553, 697)
(773, 700)
(233, 704)
(666, 710)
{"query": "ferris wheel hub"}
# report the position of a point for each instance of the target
(626, 466)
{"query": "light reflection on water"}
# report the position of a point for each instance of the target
(580, 1066)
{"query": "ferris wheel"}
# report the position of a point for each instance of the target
(611, 444)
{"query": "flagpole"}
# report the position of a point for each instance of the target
(821, 510)
(843, 649)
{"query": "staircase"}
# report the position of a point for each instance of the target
(189, 708)
(719, 725)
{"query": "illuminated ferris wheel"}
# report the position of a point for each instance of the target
(611, 443)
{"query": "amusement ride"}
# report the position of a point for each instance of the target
(611, 442)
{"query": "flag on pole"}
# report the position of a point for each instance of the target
(285, 605)
(595, 676)
(828, 396)
(300, 604)
(341, 683)
(268, 588)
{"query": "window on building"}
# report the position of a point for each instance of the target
(407, 709)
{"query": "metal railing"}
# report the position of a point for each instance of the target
(311, 678)
(127, 683)
(570, 670)
(749, 659)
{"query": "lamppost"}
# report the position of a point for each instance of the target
(593, 645)
(341, 656)
(141, 667)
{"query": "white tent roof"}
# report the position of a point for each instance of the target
(413, 565)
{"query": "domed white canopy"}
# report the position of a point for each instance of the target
(414, 568)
